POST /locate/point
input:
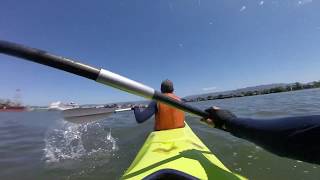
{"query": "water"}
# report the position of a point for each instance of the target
(41, 145)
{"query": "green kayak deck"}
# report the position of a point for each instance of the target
(178, 150)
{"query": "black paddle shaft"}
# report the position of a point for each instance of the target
(45, 58)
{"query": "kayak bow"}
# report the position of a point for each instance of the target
(177, 154)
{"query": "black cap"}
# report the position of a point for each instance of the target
(167, 86)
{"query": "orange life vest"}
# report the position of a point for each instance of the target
(168, 117)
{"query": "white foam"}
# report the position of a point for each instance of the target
(72, 141)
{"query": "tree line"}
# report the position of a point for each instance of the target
(291, 87)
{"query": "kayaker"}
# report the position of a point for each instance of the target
(292, 137)
(166, 117)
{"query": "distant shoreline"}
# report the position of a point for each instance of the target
(254, 91)
(233, 94)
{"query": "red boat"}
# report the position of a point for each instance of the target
(12, 106)
(8, 108)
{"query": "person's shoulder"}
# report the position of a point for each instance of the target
(173, 95)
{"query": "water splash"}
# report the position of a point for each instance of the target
(78, 141)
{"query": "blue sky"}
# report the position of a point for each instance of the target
(202, 45)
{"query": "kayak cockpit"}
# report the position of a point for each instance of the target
(169, 174)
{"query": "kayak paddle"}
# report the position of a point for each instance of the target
(99, 75)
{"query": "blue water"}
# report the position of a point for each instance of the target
(41, 145)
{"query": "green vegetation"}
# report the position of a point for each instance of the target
(291, 87)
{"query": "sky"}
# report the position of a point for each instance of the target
(201, 45)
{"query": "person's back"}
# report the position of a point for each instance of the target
(166, 117)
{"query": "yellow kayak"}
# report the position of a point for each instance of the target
(177, 154)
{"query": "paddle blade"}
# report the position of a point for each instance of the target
(86, 115)
(87, 119)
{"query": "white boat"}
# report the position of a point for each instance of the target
(61, 106)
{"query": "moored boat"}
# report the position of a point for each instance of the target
(62, 106)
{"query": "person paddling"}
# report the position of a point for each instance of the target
(292, 137)
(166, 117)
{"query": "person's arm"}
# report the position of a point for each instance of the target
(292, 137)
(143, 114)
